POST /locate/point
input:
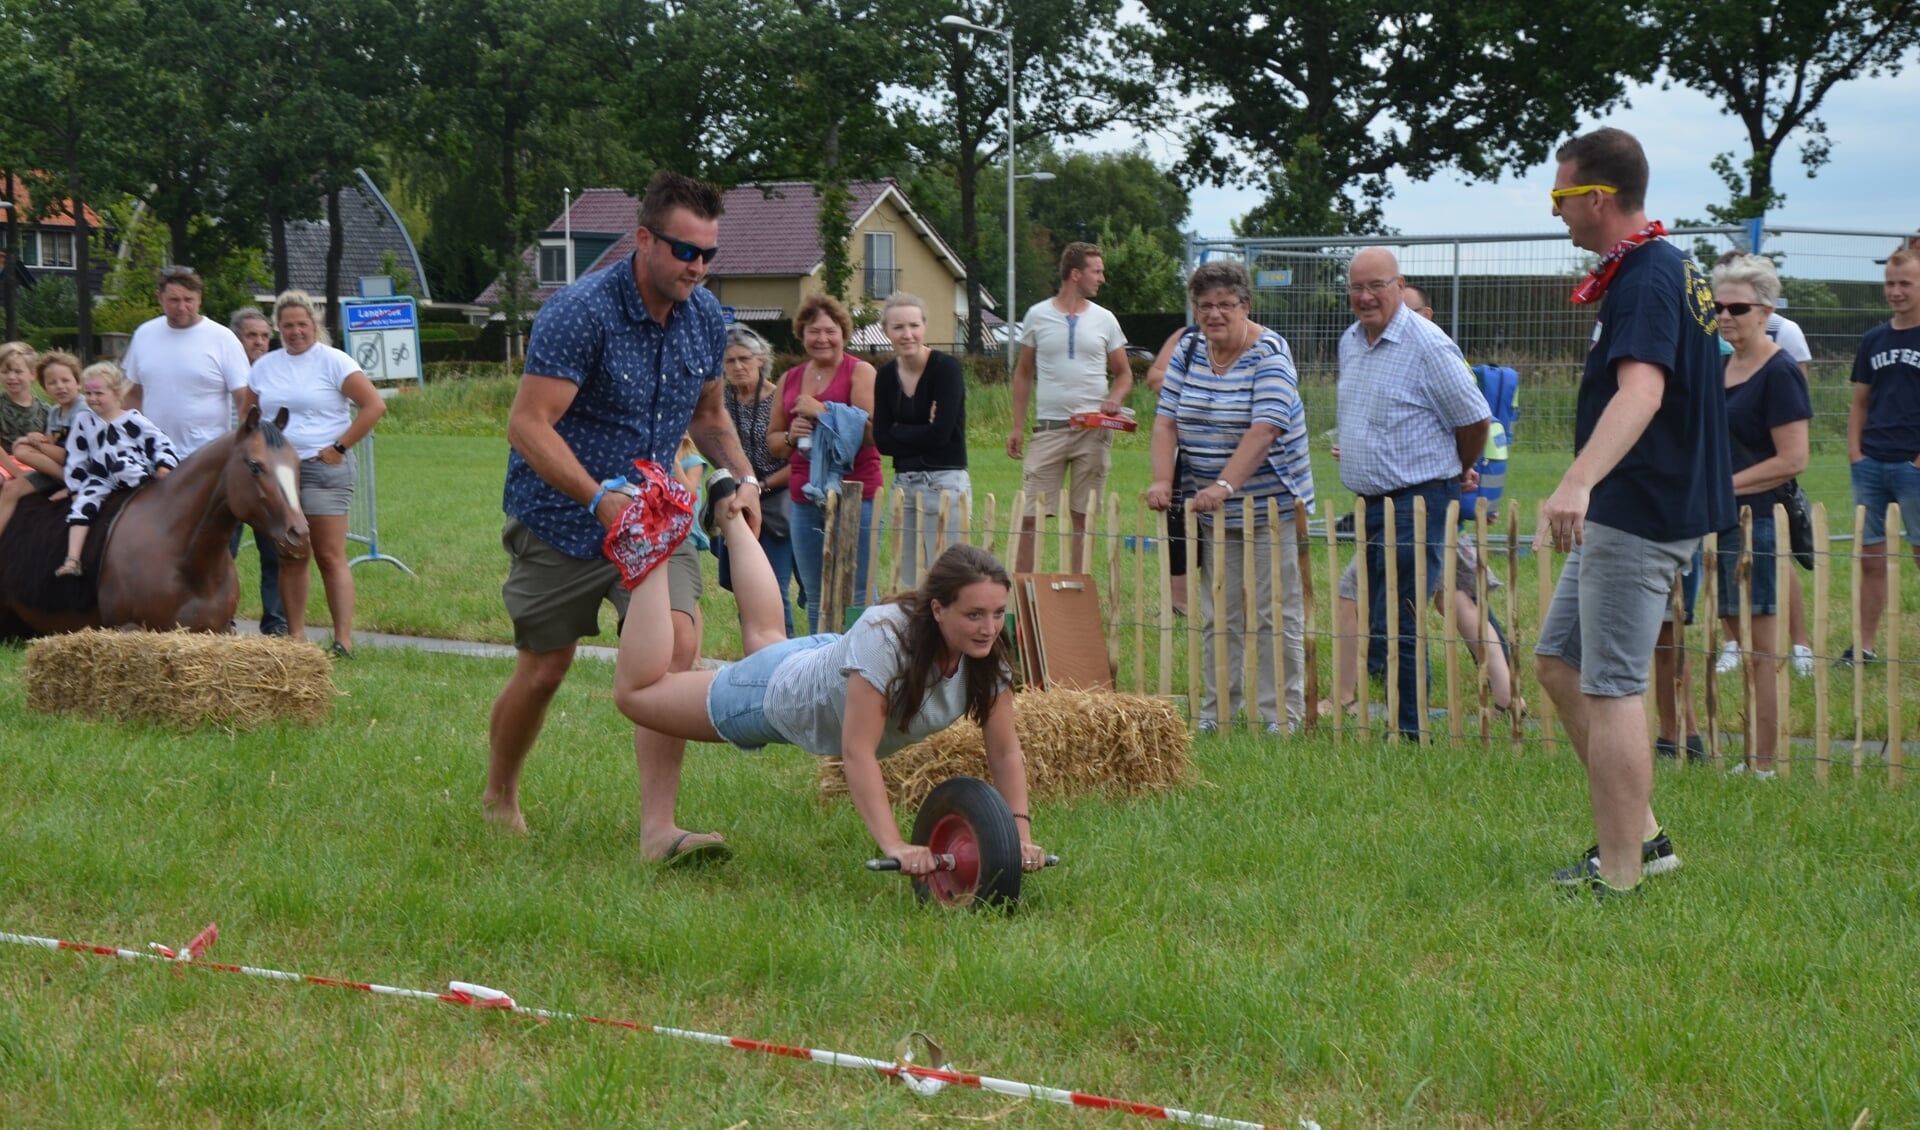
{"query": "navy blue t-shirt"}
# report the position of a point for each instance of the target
(639, 382)
(1676, 482)
(1889, 365)
(1774, 395)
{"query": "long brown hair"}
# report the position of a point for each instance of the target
(961, 565)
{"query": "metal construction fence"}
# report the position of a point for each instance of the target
(1829, 714)
(1504, 299)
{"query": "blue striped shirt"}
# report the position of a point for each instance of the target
(1401, 399)
(1212, 412)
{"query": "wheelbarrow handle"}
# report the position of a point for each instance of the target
(942, 862)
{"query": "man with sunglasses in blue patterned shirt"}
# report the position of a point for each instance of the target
(620, 365)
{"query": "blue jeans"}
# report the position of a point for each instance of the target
(810, 543)
(920, 542)
(779, 553)
(1876, 483)
(1437, 493)
(273, 617)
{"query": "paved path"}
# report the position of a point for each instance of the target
(322, 637)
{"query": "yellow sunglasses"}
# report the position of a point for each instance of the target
(1560, 194)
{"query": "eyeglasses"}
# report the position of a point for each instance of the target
(176, 272)
(1376, 287)
(1738, 309)
(1560, 194)
(1205, 308)
(682, 250)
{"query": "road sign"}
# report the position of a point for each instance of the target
(383, 337)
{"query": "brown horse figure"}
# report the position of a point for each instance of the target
(162, 561)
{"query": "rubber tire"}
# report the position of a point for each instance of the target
(981, 811)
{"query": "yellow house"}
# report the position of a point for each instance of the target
(770, 256)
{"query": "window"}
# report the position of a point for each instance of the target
(56, 249)
(553, 264)
(880, 277)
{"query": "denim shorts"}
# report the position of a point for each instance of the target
(326, 489)
(737, 698)
(1874, 485)
(1766, 596)
(1607, 609)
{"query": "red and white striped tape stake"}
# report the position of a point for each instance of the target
(923, 1080)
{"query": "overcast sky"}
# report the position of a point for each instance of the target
(1871, 183)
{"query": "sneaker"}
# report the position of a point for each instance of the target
(1656, 858)
(339, 650)
(1848, 659)
(1729, 658)
(1275, 729)
(1696, 748)
(1802, 660)
(1604, 891)
(1758, 774)
(1206, 726)
(720, 487)
(1667, 748)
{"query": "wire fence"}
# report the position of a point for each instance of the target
(1504, 299)
(1830, 714)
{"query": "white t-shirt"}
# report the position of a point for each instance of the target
(1070, 356)
(807, 695)
(1787, 334)
(308, 386)
(188, 378)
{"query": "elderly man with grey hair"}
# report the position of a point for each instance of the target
(256, 338)
(1412, 422)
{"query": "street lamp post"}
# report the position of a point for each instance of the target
(964, 24)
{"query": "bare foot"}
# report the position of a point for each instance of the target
(678, 842)
(504, 817)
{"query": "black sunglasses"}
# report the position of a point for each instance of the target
(682, 250)
(1738, 309)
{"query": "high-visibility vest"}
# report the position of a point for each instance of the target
(1501, 386)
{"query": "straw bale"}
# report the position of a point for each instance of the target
(1073, 742)
(179, 679)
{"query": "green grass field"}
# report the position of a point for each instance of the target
(1364, 937)
(1361, 935)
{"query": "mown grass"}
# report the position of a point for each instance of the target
(1362, 936)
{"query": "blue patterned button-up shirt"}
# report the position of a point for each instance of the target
(639, 382)
(1401, 400)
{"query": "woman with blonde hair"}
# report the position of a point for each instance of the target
(320, 387)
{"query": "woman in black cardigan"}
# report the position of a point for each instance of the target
(920, 421)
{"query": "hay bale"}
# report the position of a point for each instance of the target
(179, 679)
(1074, 742)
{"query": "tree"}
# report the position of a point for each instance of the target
(1074, 75)
(1331, 97)
(1141, 276)
(66, 77)
(1118, 191)
(1771, 65)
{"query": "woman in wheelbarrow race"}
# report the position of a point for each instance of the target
(908, 668)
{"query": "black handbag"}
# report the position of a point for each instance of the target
(1799, 521)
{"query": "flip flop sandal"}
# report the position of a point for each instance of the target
(651, 526)
(695, 855)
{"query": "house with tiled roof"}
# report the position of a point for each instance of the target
(371, 237)
(770, 257)
(46, 240)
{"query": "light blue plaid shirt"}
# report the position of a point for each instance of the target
(1401, 399)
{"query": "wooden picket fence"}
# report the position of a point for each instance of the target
(1153, 651)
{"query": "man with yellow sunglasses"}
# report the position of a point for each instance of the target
(1652, 472)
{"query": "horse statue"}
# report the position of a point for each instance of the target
(159, 559)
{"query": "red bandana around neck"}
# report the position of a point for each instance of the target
(1595, 284)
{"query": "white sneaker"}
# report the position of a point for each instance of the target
(1802, 660)
(1729, 657)
(1206, 726)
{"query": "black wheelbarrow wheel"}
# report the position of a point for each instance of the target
(968, 819)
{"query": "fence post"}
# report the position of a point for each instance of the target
(1513, 617)
(1822, 569)
(1709, 596)
(1859, 668)
(1743, 583)
(1309, 647)
(1422, 537)
(1339, 650)
(1449, 576)
(1195, 673)
(1782, 643)
(1390, 536)
(1896, 755)
(1113, 583)
(1363, 637)
(1543, 566)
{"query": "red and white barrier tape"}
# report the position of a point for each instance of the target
(923, 1080)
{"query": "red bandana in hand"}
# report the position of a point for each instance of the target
(651, 526)
(1595, 284)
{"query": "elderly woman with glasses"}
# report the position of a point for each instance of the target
(1767, 413)
(750, 398)
(1231, 404)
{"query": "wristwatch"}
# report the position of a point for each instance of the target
(1224, 485)
(340, 447)
(750, 481)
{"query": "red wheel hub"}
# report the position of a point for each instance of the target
(954, 835)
